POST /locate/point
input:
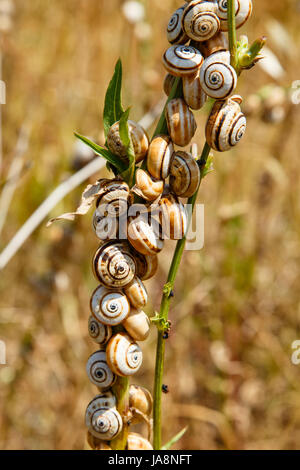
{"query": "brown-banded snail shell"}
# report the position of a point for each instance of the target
(145, 235)
(168, 83)
(139, 138)
(137, 442)
(137, 324)
(226, 124)
(110, 307)
(114, 198)
(123, 354)
(140, 399)
(185, 174)
(218, 78)
(181, 122)
(99, 332)
(105, 228)
(114, 265)
(103, 422)
(193, 94)
(92, 443)
(243, 10)
(175, 33)
(146, 186)
(216, 44)
(173, 217)
(182, 60)
(159, 156)
(200, 21)
(146, 265)
(99, 372)
(136, 293)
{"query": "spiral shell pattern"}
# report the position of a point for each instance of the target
(109, 306)
(185, 175)
(200, 21)
(173, 217)
(114, 265)
(145, 236)
(181, 122)
(123, 354)
(182, 60)
(99, 332)
(102, 422)
(114, 200)
(193, 94)
(146, 265)
(139, 138)
(175, 33)
(218, 78)
(159, 156)
(243, 10)
(98, 371)
(105, 228)
(136, 293)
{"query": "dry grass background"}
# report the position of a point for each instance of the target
(236, 310)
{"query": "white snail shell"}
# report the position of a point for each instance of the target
(243, 10)
(193, 94)
(226, 124)
(92, 443)
(182, 60)
(114, 265)
(168, 83)
(200, 21)
(140, 399)
(103, 422)
(114, 199)
(123, 354)
(105, 228)
(99, 372)
(110, 307)
(185, 174)
(218, 78)
(139, 137)
(146, 265)
(175, 33)
(145, 236)
(137, 324)
(137, 442)
(146, 186)
(99, 332)
(173, 217)
(159, 156)
(181, 122)
(136, 293)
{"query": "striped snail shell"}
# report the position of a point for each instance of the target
(145, 235)
(216, 44)
(181, 122)
(102, 422)
(159, 156)
(98, 371)
(137, 324)
(243, 10)
(175, 33)
(139, 137)
(218, 78)
(110, 307)
(226, 124)
(182, 60)
(168, 83)
(193, 94)
(105, 228)
(136, 293)
(146, 265)
(137, 442)
(200, 21)
(114, 265)
(99, 332)
(114, 199)
(173, 217)
(92, 443)
(146, 186)
(140, 399)
(123, 354)
(185, 174)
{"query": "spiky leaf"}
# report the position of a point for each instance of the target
(174, 439)
(113, 109)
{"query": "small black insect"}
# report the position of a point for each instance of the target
(166, 335)
(165, 388)
(171, 293)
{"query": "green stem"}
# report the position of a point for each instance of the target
(232, 33)
(121, 392)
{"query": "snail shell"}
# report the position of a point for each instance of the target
(110, 307)
(182, 60)
(200, 21)
(114, 265)
(159, 156)
(193, 94)
(102, 422)
(140, 399)
(123, 354)
(92, 443)
(175, 33)
(105, 228)
(216, 44)
(136, 293)
(168, 83)
(137, 324)
(181, 122)
(243, 10)
(98, 371)
(99, 332)
(185, 175)
(114, 199)
(145, 236)
(137, 442)
(226, 124)
(218, 78)
(146, 265)
(139, 138)
(146, 186)
(173, 217)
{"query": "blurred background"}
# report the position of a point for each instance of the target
(236, 310)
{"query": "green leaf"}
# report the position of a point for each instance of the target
(209, 167)
(128, 174)
(113, 105)
(174, 439)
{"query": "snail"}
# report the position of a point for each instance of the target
(137, 324)
(173, 217)
(140, 400)
(185, 174)
(200, 21)
(182, 60)
(146, 265)
(168, 83)
(114, 198)
(92, 443)
(218, 78)
(98, 371)
(137, 442)
(159, 156)
(146, 186)
(175, 33)
(139, 138)
(193, 94)
(105, 228)
(136, 293)
(114, 265)
(226, 124)
(103, 422)
(110, 307)
(243, 10)
(99, 332)
(181, 122)
(123, 355)
(145, 235)
(215, 44)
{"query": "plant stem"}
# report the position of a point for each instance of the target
(121, 392)
(232, 33)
